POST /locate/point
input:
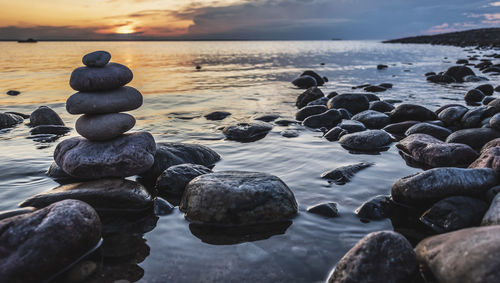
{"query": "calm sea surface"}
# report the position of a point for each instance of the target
(246, 79)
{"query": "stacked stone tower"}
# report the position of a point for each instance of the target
(105, 150)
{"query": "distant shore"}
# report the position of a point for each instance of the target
(488, 37)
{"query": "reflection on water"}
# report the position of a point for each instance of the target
(246, 79)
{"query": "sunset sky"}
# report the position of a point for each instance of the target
(240, 19)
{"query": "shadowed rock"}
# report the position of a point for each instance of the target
(309, 95)
(436, 131)
(9, 120)
(309, 111)
(474, 138)
(217, 115)
(45, 116)
(344, 174)
(492, 216)
(304, 82)
(412, 112)
(50, 129)
(372, 119)
(353, 102)
(14, 212)
(459, 72)
(173, 181)
(328, 119)
(247, 132)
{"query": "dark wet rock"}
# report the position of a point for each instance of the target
(491, 193)
(492, 215)
(454, 213)
(474, 138)
(267, 117)
(352, 126)
(304, 82)
(289, 133)
(375, 88)
(475, 79)
(327, 209)
(127, 155)
(173, 181)
(411, 112)
(430, 74)
(345, 113)
(431, 152)
(381, 106)
(309, 111)
(446, 106)
(328, 119)
(96, 59)
(441, 79)
(473, 117)
(490, 144)
(487, 100)
(344, 174)
(371, 97)
(486, 89)
(309, 95)
(24, 116)
(50, 129)
(319, 101)
(332, 94)
(386, 85)
(492, 69)
(371, 140)
(217, 115)
(462, 61)
(14, 212)
(56, 172)
(247, 132)
(399, 128)
(162, 207)
(170, 154)
(104, 195)
(382, 66)
(438, 132)
(335, 134)
(62, 232)
(490, 158)
(383, 256)
(432, 185)
(117, 100)
(8, 120)
(45, 116)
(319, 80)
(103, 127)
(494, 106)
(285, 122)
(13, 92)
(497, 89)
(452, 116)
(361, 86)
(467, 255)
(238, 198)
(109, 77)
(459, 72)
(495, 122)
(474, 96)
(372, 119)
(353, 102)
(376, 208)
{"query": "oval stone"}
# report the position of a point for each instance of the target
(119, 100)
(371, 140)
(96, 59)
(104, 127)
(109, 77)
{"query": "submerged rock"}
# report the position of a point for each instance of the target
(441, 79)
(371, 140)
(111, 76)
(237, 198)
(459, 72)
(429, 151)
(344, 174)
(8, 120)
(328, 119)
(50, 129)
(127, 155)
(304, 82)
(267, 117)
(353, 102)
(103, 195)
(400, 128)
(36, 246)
(412, 112)
(492, 216)
(454, 213)
(430, 186)
(173, 181)
(217, 115)
(473, 117)
(384, 256)
(247, 132)
(309, 95)
(315, 75)
(310, 111)
(45, 116)
(468, 255)
(117, 100)
(376, 208)
(327, 209)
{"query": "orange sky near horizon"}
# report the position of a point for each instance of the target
(146, 17)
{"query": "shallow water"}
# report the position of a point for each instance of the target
(247, 79)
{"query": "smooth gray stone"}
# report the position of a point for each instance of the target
(428, 187)
(36, 246)
(309, 95)
(379, 207)
(173, 181)
(411, 112)
(247, 132)
(307, 111)
(474, 96)
(492, 216)
(96, 59)
(432, 152)
(375, 88)
(344, 174)
(465, 256)
(170, 154)
(353, 102)
(441, 79)
(45, 116)
(328, 119)
(475, 138)
(473, 117)
(50, 129)
(352, 126)
(109, 77)
(8, 120)
(327, 209)
(381, 106)
(454, 213)
(304, 82)
(103, 127)
(372, 119)
(127, 155)
(14, 212)
(371, 140)
(452, 116)
(335, 134)
(436, 131)
(238, 198)
(384, 256)
(104, 195)
(113, 101)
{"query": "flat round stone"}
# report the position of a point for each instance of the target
(119, 100)
(104, 127)
(109, 77)
(96, 59)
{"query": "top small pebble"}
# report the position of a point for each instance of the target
(96, 59)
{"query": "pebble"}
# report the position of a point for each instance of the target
(104, 127)
(96, 59)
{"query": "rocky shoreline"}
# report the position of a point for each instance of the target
(448, 209)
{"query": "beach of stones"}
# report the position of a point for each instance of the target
(449, 209)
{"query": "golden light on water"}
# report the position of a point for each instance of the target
(125, 29)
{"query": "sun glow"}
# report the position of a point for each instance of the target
(125, 29)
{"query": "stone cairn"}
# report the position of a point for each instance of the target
(105, 150)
